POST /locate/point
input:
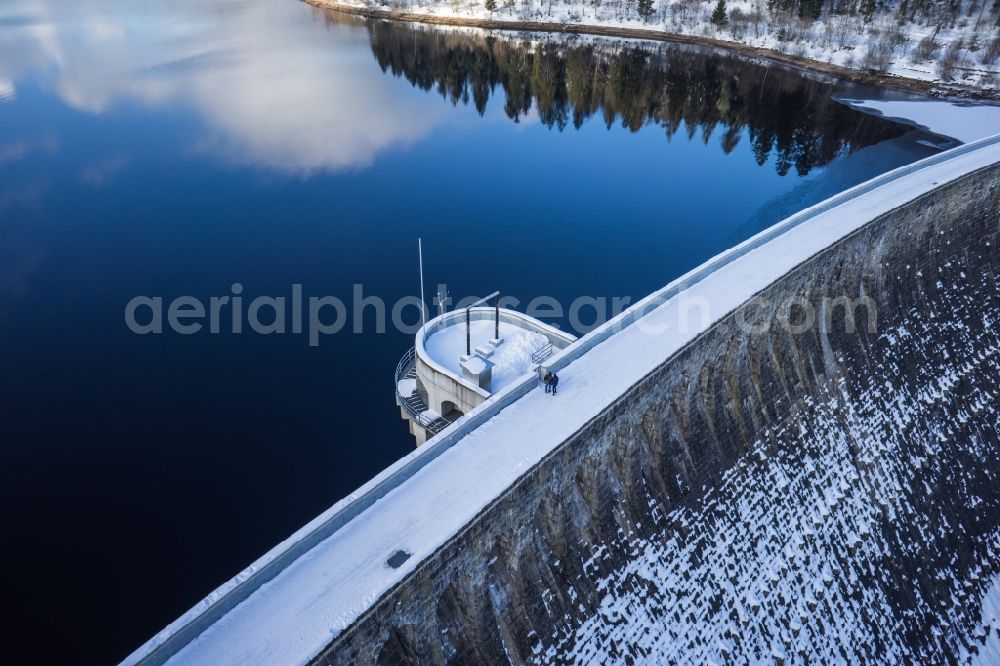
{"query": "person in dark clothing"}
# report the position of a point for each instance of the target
(547, 380)
(554, 381)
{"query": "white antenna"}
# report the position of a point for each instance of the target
(423, 303)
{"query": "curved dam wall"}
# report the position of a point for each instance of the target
(780, 489)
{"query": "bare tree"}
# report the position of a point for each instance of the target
(949, 62)
(991, 52)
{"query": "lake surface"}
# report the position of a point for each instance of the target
(174, 148)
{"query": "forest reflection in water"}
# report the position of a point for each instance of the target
(568, 80)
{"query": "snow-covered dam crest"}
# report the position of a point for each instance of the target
(756, 469)
(842, 491)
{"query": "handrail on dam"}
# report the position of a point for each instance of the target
(186, 628)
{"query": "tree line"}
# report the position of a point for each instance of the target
(959, 39)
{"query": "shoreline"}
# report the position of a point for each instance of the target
(845, 74)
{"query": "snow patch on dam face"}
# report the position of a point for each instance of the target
(989, 652)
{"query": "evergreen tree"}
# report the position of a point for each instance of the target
(810, 9)
(491, 6)
(720, 16)
(645, 9)
(867, 8)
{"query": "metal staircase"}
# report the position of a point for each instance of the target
(414, 404)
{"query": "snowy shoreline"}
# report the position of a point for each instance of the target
(903, 76)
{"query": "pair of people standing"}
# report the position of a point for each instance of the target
(551, 381)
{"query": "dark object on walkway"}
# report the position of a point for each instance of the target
(397, 559)
(547, 380)
(554, 381)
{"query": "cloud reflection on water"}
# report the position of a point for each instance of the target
(272, 86)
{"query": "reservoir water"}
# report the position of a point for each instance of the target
(169, 149)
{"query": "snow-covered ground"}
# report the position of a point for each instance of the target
(847, 41)
(291, 618)
(511, 359)
(958, 120)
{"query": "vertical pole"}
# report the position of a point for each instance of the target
(423, 303)
(468, 333)
(496, 335)
(442, 294)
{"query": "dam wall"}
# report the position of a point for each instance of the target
(797, 483)
(671, 493)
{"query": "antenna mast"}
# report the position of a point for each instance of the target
(423, 303)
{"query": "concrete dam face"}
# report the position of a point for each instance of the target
(781, 490)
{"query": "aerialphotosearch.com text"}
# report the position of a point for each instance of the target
(316, 317)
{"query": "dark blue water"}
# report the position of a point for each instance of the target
(175, 148)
